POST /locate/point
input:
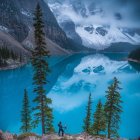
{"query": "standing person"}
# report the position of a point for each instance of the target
(61, 130)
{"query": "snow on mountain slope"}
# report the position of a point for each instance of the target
(3, 28)
(104, 37)
(92, 24)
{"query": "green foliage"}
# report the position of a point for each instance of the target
(6, 54)
(49, 117)
(43, 112)
(87, 120)
(26, 114)
(99, 124)
(113, 108)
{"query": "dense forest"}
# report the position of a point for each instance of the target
(7, 54)
(135, 54)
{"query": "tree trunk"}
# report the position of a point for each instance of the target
(97, 133)
(109, 130)
(43, 126)
(42, 117)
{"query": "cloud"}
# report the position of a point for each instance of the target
(114, 12)
(128, 9)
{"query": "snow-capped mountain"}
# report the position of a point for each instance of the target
(92, 24)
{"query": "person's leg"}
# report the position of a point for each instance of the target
(59, 132)
(62, 132)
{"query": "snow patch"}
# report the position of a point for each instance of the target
(97, 41)
(29, 44)
(3, 28)
(26, 13)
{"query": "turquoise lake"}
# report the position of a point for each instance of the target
(71, 80)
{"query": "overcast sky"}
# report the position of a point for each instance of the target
(129, 9)
(118, 12)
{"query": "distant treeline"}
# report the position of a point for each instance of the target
(135, 54)
(6, 54)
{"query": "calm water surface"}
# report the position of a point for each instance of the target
(71, 80)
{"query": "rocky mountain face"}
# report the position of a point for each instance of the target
(76, 19)
(89, 23)
(52, 29)
(16, 27)
(11, 20)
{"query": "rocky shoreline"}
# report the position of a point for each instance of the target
(18, 64)
(53, 136)
(133, 60)
(13, 66)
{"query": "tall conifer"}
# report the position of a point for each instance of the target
(113, 108)
(99, 124)
(43, 112)
(87, 120)
(26, 114)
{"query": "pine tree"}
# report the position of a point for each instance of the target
(99, 124)
(113, 108)
(49, 118)
(26, 114)
(43, 112)
(87, 120)
(6, 54)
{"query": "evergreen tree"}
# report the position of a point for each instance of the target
(26, 114)
(99, 124)
(43, 112)
(113, 108)
(6, 54)
(49, 118)
(87, 120)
